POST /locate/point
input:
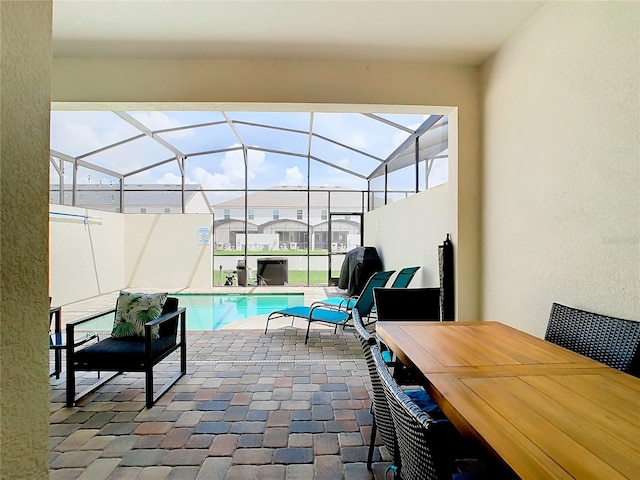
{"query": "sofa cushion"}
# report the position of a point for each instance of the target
(133, 310)
(126, 354)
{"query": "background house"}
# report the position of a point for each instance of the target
(150, 198)
(282, 211)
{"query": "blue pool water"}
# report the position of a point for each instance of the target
(214, 311)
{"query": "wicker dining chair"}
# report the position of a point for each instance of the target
(429, 448)
(382, 420)
(609, 340)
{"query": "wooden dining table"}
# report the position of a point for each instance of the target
(545, 411)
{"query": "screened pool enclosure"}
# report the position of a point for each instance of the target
(294, 185)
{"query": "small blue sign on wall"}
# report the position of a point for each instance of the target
(203, 235)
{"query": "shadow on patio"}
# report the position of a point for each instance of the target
(252, 406)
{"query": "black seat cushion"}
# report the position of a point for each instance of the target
(120, 353)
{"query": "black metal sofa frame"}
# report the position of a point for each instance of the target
(135, 354)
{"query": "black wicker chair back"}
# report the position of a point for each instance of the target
(396, 304)
(382, 421)
(426, 446)
(407, 303)
(609, 340)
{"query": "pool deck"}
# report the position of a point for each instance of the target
(252, 406)
(84, 308)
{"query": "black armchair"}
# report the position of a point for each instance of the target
(130, 354)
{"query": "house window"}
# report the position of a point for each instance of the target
(227, 214)
(323, 214)
(143, 210)
(251, 214)
(276, 214)
(299, 214)
(167, 210)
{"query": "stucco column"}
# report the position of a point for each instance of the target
(25, 82)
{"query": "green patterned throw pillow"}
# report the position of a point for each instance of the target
(133, 310)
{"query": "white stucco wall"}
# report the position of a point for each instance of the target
(86, 257)
(561, 166)
(25, 69)
(162, 251)
(407, 233)
(114, 251)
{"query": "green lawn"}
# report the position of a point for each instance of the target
(296, 277)
(299, 277)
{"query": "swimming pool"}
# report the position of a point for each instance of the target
(213, 311)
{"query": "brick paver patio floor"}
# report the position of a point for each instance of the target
(252, 406)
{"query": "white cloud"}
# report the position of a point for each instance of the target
(343, 162)
(231, 176)
(357, 140)
(171, 179)
(200, 177)
(233, 165)
(293, 176)
(161, 121)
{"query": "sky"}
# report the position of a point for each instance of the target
(83, 134)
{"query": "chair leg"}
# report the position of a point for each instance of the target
(58, 362)
(306, 338)
(372, 443)
(148, 388)
(71, 385)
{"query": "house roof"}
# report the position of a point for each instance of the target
(289, 197)
(137, 195)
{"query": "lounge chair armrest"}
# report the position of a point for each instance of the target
(325, 306)
(321, 306)
(347, 301)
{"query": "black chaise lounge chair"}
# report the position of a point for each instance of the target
(130, 354)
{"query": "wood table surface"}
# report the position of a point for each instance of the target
(545, 411)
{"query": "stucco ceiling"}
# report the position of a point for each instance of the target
(451, 32)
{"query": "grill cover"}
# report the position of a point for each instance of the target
(358, 266)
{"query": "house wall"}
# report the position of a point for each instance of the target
(86, 253)
(561, 219)
(163, 251)
(402, 241)
(25, 70)
(300, 86)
